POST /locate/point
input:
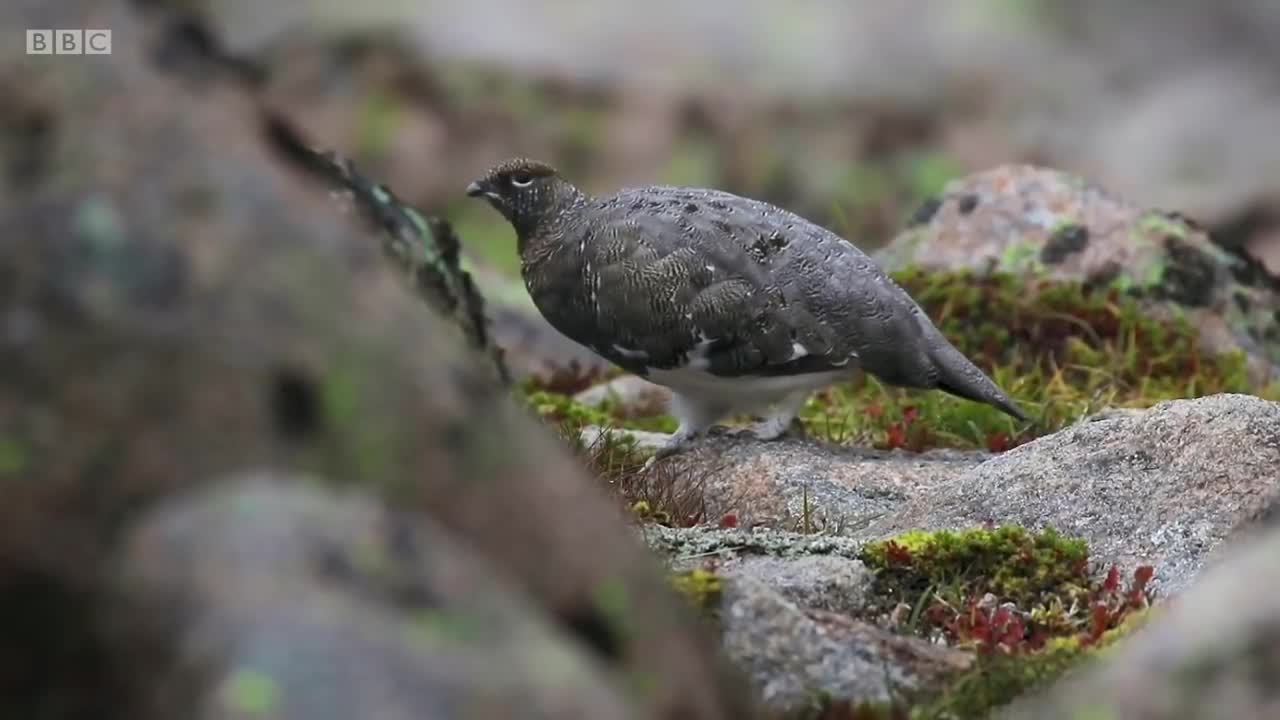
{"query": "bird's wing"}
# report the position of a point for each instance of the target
(733, 286)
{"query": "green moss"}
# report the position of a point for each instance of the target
(1017, 566)
(869, 196)
(377, 124)
(1155, 274)
(486, 235)
(1160, 224)
(14, 459)
(363, 443)
(1026, 602)
(486, 88)
(864, 185)
(694, 162)
(562, 408)
(1021, 258)
(250, 692)
(702, 587)
(1027, 16)
(610, 599)
(647, 513)
(927, 173)
(1062, 350)
(436, 625)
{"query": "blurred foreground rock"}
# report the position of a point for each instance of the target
(309, 602)
(178, 306)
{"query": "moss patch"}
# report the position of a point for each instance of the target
(701, 586)
(562, 408)
(14, 459)
(1007, 561)
(1025, 602)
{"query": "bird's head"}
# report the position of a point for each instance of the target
(524, 191)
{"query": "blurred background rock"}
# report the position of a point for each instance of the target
(849, 112)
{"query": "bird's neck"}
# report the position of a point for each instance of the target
(537, 236)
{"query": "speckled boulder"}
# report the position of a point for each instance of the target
(1047, 223)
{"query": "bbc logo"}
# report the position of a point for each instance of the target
(68, 42)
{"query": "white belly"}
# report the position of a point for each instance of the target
(742, 394)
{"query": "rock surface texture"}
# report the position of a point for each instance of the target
(1164, 486)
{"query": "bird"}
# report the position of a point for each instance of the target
(734, 304)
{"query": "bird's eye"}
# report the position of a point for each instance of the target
(522, 179)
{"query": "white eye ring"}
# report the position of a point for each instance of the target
(519, 184)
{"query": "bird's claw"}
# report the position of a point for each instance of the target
(765, 430)
(678, 442)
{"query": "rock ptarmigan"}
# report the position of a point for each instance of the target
(734, 304)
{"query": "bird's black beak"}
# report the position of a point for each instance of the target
(475, 189)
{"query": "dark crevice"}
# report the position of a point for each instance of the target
(1234, 234)
(189, 48)
(593, 628)
(53, 665)
(924, 214)
(1190, 276)
(29, 135)
(295, 404)
(1063, 242)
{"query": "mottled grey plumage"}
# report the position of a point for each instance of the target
(733, 303)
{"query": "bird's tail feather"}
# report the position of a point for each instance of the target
(960, 377)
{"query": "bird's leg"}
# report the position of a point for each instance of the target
(778, 420)
(695, 418)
